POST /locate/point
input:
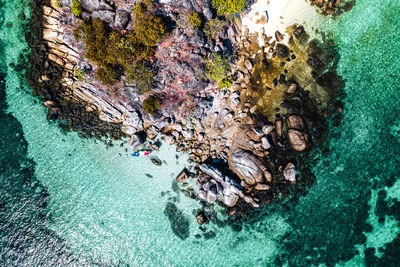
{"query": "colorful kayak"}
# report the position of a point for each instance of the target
(141, 152)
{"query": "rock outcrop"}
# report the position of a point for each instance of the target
(232, 126)
(218, 186)
(248, 167)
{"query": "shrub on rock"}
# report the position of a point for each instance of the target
(217, 67)
(142, 75)
(227, 7)
(152, 104)
(109, 74)
(148, 27)
(195, 20)
(116, 53)
(213, 27)
(76, 8)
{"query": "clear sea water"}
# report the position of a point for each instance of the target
(68, 201)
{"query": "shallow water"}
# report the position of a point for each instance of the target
(71, 201)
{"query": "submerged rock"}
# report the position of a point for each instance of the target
(156, 161)
(201, 218)
(179, 222)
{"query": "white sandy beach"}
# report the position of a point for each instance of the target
(280, 14)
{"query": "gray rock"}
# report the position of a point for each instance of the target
(133, 121)
(188, 134)
(121, 20)
(207, 13)
(94, 5)
(267, 129)
(153, 132)
(105, 15)
(169, 139)
(201, 136)
(290, 173)
(177, 127)
(265, 144)
(219, 186)
(161, 124)
(135, 141)
(248, 167)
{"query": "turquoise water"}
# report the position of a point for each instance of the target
(71, 201)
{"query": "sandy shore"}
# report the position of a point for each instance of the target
(277, 15)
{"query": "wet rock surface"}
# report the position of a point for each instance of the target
(179, 223)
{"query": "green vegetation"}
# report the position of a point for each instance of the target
(81, 75)
(195, 20)
(57, 4)
(149, 29)
(143, 75)
(116, 54)
(227, 7)
(213, 27)
(76, 8)
(109, 74)
(152, 104)
(217, 68)
(189, 22)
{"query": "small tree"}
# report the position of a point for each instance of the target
(217, 67)
(109, 74)
(148, 28)
(227, 7)
(142, 75)
(76, 8)
(213, 27)
(195, 20)
(152, 104)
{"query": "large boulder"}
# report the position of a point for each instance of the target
(248, 167)
(295, 122)
(132, 122)
(298, 139)
(214, 185)
(135, 141)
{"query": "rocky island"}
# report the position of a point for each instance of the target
(238, 85)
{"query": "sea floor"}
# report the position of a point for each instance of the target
(72, 201)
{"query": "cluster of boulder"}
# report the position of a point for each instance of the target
(222, 126)
(333, 7)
